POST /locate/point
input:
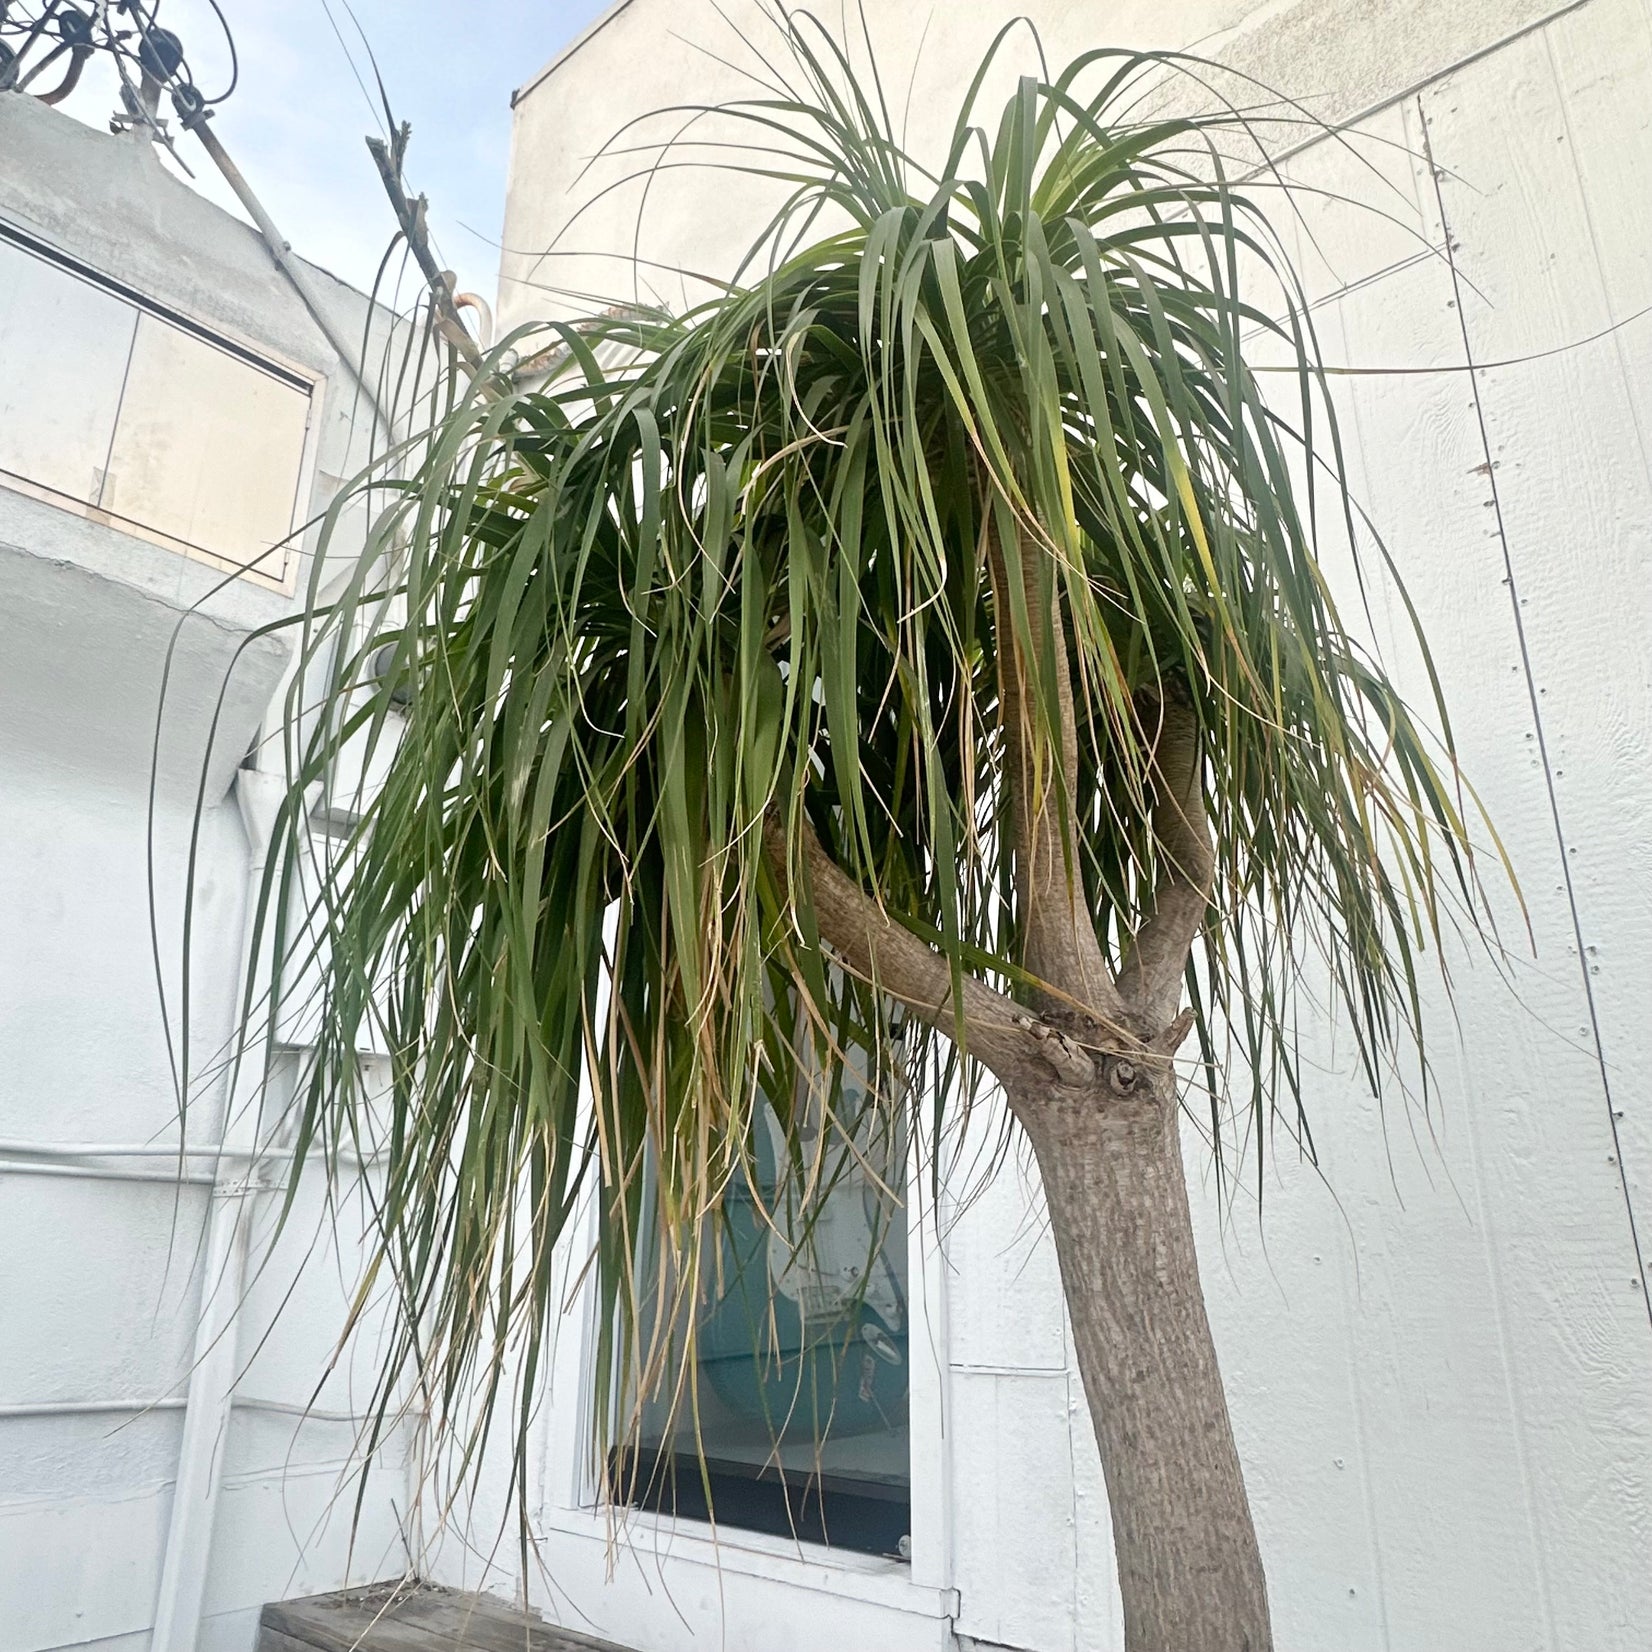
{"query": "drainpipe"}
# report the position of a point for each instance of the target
(212, 1377)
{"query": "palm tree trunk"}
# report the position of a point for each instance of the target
(1189, 1569)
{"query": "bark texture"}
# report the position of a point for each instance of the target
(1085, 1057)
(1190, 1572)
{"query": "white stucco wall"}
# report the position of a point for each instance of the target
(1437, 1346)
(102, 1278)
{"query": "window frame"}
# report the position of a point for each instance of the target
(306, 381)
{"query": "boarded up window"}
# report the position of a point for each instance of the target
(142, 420)
(64, 346)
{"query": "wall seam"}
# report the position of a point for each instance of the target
(1534, 706)
(1624, 373)
(120, 407)
(1350, 1309)
(1405, 94)
(1544, 758)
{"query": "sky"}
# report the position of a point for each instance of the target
(296, 122)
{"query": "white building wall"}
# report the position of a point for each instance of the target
(1437, 1345)
(101, 1273)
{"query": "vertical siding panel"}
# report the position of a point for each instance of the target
(1603, 63)
(1275, 1294)
(1008, 1310)
(1427, 1331)
(1569, 489)
(1014, 1502)
(1098, 1614)
(1013, 1512)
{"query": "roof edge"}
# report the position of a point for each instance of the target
(594, 27)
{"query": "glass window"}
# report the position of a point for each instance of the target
(791, 1413)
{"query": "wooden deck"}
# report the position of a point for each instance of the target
(412, 1617)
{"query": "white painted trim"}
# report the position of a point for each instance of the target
(570, 1501)
(567, 1481)
(183, 1585)
(869, 1579)
(929, 1390)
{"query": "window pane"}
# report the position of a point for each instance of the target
(63, 351)
(799, 1387)
(207, 448)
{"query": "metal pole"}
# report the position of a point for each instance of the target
(387, 157)
(281, 251)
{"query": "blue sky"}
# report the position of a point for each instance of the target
(296, 122)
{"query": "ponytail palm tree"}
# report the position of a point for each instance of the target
(917, 649)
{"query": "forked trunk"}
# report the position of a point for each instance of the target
(1189, 1569)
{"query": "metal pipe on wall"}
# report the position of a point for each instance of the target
(16, 1147)
(171, 1402)
(90, 1408)
(106, 1173)
(212, 1376)
(103, 1150)
(281, 251)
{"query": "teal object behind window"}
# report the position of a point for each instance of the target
(838, 1370)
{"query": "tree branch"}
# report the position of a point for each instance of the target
(1059, 941)
(997, 1032)
(1152, 974)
